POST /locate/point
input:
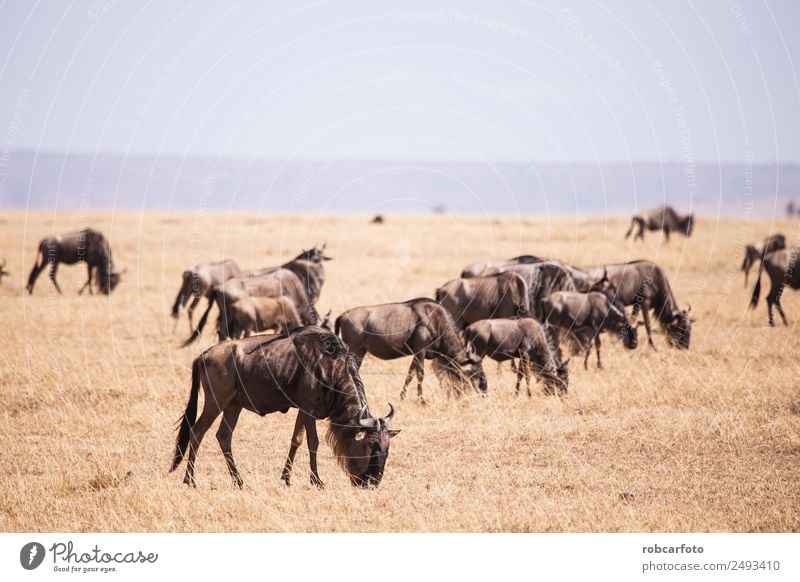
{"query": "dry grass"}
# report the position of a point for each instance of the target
(705, 440)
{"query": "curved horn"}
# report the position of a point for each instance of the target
(388, 418)
(365, 420)
(325, 244)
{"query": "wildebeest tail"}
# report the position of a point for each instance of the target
(630, 230)
(180, 298)
(37, 266)
(757, 288)
(212, 296)
(188, 419)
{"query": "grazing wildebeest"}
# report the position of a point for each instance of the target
(420, 328)
(664, 219)
(584, 316)
(757, 251)
(300, 280)
(3, 272)
(87, 245)
(378, 219)
(198, 280)
(524, 339)
(258, 314)
(644, 285)
(470, 300)
(781, 268)
(308, 369)
(497, 266)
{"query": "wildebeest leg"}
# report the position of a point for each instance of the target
(297, 441)
(597, 349)
(525, 364)
(646, 317)
(518, 370)
(774, 298)
(53, 272)
(88, 281)
(419, 360)
(409, 377)
(313, 445)
(666, 234)
(211, 410)
(587, 351)
(640, 233)
(225, 439)
(189, 311)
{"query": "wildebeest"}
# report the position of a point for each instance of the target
(300, 280)
(584, 316)
(755, 252)
(470, 300)
(644, 286)
(781, 266)
(308, 369)
(259, 314)
(664, 219)
(3, 272)
(524, 339)
(87, 245)
(198, 280)
(497, 266)
(378, 219)
(420, 328)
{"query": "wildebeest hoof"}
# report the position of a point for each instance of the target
(190, 482)
(317, 482)
(422, 401)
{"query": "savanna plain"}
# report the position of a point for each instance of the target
(91, 388)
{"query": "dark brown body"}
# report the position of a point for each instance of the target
(88, 246)
(523, 339)
(644, 286)
(309, 370)
(664, 219)
(542, 279)
(782, 268)
(197, 282)
(420, 328)
(584, 316)
(476, 298)
(754, 253)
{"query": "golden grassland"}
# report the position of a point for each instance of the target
(91, 387)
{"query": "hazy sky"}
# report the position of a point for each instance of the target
(598, 81)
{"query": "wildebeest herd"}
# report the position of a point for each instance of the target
(527, 310)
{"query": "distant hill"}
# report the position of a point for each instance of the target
(73, 181)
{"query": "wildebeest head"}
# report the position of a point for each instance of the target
(463, 372)
(559, 382)
(680, 328)
(109, 281)
(315, 255)
(369, 449)
(627, 331)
